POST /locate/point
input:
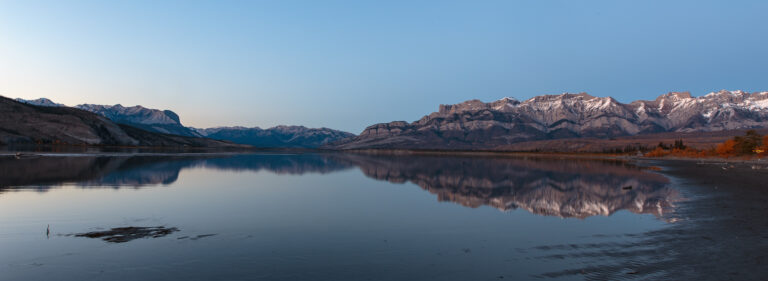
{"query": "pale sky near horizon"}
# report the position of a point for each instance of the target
(349, 64)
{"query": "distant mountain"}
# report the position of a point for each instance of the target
(24, 123)
(153, 120)
(280, 136)
(40, 102)
(168, 122)
(477, 125)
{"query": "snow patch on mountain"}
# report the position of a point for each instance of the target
(40, 102)
(134, 114)
(474, 123)
(278, 136)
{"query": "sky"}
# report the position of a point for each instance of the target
(349, 64)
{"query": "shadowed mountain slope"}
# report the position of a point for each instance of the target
(280, 136)
(24, 123)
(168, 122)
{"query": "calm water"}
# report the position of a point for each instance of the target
(327, 217)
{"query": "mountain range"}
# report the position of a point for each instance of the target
(168, 122)
(279, 136)
(478, 125)
(153, 120)
(24, 123)
(505, 124)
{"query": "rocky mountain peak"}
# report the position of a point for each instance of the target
(464, 106)
(675, 96)
(503, 103)
(133, 114)
(278, 136)
(154, 120)
(40, 102)
(474, 124)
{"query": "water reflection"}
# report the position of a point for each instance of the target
(552, 187)
(140, 170)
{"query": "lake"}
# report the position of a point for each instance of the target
(337, 216)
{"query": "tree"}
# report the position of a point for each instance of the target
(662, 146)
(748, 143)
(679, 144)
(726, 149)
(764, 146)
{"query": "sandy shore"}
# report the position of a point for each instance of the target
(724, 232)
(720, 229)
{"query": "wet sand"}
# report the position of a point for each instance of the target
(723, 234)
(719, 231)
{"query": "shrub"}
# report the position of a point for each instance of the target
(726, 149)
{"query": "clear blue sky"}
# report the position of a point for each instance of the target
(349, 64)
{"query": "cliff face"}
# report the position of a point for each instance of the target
(148, 119)
(477, 125)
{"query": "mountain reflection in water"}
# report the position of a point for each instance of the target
(564, 188)
(552, 187)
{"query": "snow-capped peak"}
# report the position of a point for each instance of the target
(133, 114)
(40, 102)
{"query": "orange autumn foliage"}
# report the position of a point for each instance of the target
(750, 145)
(676, 152)
(726, 149)
(689, 152)
(764, 147)
(658, 152)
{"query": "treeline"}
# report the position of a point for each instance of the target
(635, 148)
(628, 149)
(752, 144)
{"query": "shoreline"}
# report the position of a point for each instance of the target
(724, 216)
(6, 150)
(721, 214)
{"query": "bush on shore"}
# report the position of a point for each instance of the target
(751, 144)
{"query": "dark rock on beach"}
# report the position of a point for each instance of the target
(126, 234)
